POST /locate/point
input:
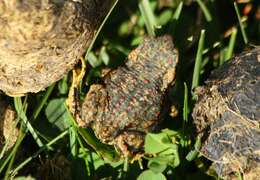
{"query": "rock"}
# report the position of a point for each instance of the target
(8, 131)
(227, 116)
(41, 40)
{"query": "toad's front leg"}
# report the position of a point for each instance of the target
(93, 108)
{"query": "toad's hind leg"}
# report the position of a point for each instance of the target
(94, 106)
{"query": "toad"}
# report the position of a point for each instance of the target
(128, 103)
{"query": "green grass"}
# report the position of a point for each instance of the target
(241, 24)
(205, 10)
(148, 16)
(200, 35)
(198, 61)
(35, 155)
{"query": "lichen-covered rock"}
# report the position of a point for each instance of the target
(41, 40)
(227, 116)
(129, 102)
(8, 131)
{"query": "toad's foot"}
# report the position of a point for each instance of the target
(173, 111)
(73, 97)
(130, 144)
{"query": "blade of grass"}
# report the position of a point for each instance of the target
(3, 163)
(73, 142)
(83, 151)
(11, 156)
(140, 163)
(226, 53)
(43, 101)
(126, 164)
(103, 150)
(198, 60)
(21, 137)
(242, 28)
(177, 12)
(7, 141)
(231, 44)
(100, 27)
(75, 139)
(148, 16)
(222, 56)
(205, 10)
(63, 85)
(3, 150)
(21, 114)
(87, 164)
(21, 165)
(175, 18)
(206, 50)
(186, 110)
(239, 176)
(194, 153)
(204, 62)
(10, 166)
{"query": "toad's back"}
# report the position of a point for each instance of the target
(133, 97)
